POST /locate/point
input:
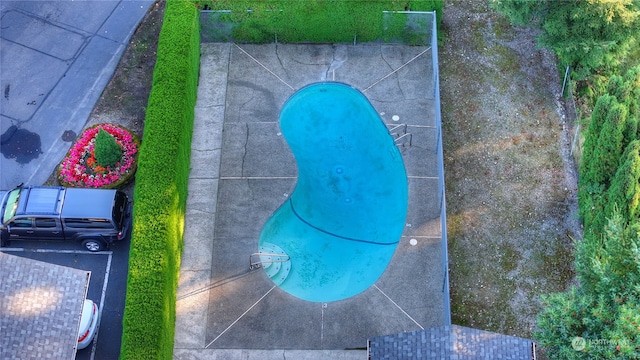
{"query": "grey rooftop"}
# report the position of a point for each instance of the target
(451, 342)
(40, 308)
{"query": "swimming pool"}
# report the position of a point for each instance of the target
(337, 232)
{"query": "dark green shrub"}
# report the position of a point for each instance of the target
(610, 145)
(598, 117)
(632, 80)
(603, 137)
(605, 309)
(624, 192)
(107, 151)
(591, 36)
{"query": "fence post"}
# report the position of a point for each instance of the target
(564, 82)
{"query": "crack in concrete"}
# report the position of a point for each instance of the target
(384, 101)
(284, 68)
(244, 151)
(207, 150)
(249, 98)
(210, 106)
(200, 210)
(393, 71)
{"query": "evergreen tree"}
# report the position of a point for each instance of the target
(607, 152)
(606, 158)
(624, 193)
(107, 151)
(598, 117)
(632, 80)
(590, 190)
(604, 309)
(619, 88)
(622, 98)
(591, 35)
(588, 35)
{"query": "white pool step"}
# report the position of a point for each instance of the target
(275, 262)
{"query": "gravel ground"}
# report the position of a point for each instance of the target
(510, 179)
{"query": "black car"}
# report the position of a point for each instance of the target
(96, 218)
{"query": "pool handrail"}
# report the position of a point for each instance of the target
(258, 264)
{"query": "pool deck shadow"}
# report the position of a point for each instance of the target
(242, 171)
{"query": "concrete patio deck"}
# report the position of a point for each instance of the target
(242, 171)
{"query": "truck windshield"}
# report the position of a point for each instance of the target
(11, 205)
(119, 208)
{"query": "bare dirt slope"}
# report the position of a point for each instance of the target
(510, 180)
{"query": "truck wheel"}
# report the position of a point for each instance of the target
(93, 245)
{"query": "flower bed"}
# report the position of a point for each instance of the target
(80, 169)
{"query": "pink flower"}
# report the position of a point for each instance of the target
(76, 171)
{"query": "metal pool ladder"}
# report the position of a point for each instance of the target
(402, 134)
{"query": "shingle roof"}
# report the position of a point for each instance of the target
(40, 308)
(450, 342)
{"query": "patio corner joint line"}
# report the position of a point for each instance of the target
(266, 68)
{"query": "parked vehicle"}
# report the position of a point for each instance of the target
(88, 323)
(96, 218)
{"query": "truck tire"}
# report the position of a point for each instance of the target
(93, 245)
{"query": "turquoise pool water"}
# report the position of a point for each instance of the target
(342, 223)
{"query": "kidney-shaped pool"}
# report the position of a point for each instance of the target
(337, 232)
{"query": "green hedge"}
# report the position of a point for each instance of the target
(319, 21)
(161, 189)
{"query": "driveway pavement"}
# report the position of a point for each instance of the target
(56, 59)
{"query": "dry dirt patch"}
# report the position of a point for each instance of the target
(510, 182)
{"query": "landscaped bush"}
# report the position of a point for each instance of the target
(613, 127)
(107, 151)
(161, 189)
(320, 21)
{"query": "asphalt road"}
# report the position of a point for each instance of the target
(107, 285)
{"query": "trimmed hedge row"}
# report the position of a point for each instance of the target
(320, 21)
(161, 189)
